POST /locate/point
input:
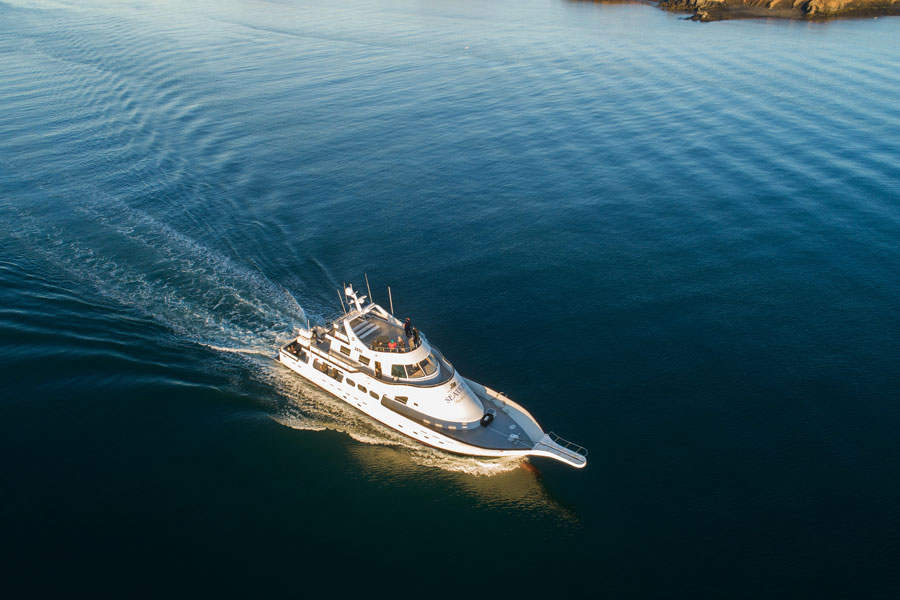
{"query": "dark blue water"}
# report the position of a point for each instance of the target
(676, 244)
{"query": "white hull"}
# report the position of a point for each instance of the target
(372, 406)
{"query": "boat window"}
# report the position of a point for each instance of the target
(374, 395)
(401, 399)
(361, 387)
(427, 365)
(345, 350)
(364, 359)
(398, 371)
(415, 371)
(350, 382)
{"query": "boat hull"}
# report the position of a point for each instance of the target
(367, 392)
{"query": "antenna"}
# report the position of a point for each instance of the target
(391, 299)
(342, 301)
(368, 288)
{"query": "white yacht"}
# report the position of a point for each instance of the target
(366, 358)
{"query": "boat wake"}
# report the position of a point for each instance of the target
(131, 258)
(254, 351)
(127, 256)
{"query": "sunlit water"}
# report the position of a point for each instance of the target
(676, 244)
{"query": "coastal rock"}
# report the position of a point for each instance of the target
(716, 10)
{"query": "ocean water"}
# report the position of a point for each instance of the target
(677, 244)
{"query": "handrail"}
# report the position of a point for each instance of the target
(398, 350)
(571, 446)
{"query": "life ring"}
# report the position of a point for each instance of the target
(486, 419)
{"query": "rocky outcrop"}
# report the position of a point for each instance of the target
(717, 10)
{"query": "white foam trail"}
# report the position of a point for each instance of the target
(200, 295)
(197, 293)
(238, 350)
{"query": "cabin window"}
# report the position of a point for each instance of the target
(361, 387)
(374, 395)
(345, 350)
(398, 371)
(350, 382)
(415, 371)
(401, 399)
(427, 366)
(364, 359)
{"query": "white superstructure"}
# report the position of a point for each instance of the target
(367, 359)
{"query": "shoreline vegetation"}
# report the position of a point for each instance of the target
(810, 10)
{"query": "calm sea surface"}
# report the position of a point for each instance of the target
(676, 244)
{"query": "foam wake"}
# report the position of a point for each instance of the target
(133, 259)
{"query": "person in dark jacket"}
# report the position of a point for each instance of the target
(407, 328)
(416, 336)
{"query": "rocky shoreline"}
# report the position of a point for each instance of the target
(721, 10)
(718, 10)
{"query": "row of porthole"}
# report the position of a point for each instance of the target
(351, 383)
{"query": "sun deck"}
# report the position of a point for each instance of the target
(378, 334)
(322, 344)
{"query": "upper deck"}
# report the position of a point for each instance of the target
(378, 359)
(381, 335)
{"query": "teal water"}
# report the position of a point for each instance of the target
(676, 244)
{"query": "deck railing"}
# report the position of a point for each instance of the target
(382, 347)
(396, 350)
(570, 446)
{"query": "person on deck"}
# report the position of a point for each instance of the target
(416, 337)
(407, 328)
